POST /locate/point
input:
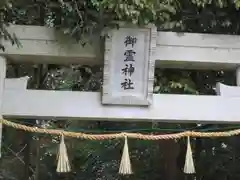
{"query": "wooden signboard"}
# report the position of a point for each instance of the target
(129, 66)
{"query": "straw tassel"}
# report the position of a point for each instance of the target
(63, 165)
(189, 164)
(125, 165)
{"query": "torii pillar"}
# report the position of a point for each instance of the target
(3, 67)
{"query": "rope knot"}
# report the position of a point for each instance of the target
(188, 133)
(124, 134)
(62, 133)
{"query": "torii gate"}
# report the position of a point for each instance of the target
(177, 50)
(130, 56)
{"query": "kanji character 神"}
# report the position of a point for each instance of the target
(129, 69)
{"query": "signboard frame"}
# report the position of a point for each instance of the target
(134, 99)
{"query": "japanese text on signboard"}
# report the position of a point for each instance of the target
(129, 60)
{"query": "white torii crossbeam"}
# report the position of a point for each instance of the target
(19, 102)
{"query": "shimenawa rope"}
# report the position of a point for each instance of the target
(125, 168)
(120, 135)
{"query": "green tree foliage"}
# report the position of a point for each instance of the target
(81, 19)
(5, 8)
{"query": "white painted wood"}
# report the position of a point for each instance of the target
(16, 83)
(46, 45)
(3, 65)
(129, 66)
(163, 38)
(198, 40)
(177, 50)
(197, 57)
(173, 50)
(227, 91)
(87, 106)
(194, 50)
(238, 76)
(34, 32)
(44, 51)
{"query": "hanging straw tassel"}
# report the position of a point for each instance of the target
(63, 165)
(125, 165)
(189, 164)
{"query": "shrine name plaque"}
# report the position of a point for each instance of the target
(129, 66)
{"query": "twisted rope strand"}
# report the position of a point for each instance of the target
(120, 135)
